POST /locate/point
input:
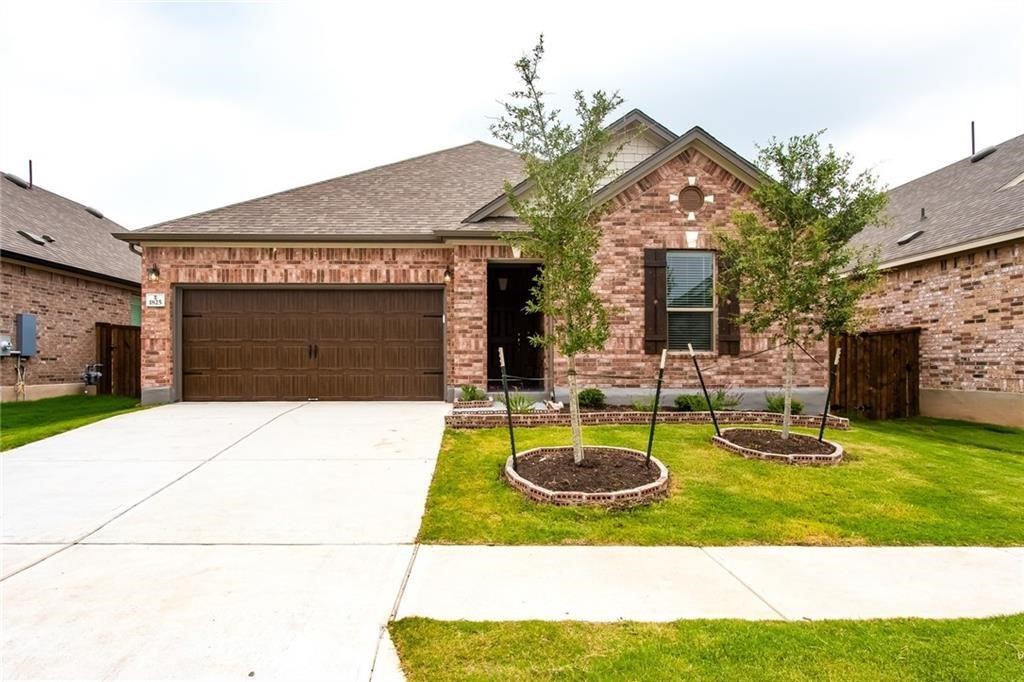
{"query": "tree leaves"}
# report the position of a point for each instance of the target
(566, 163)
(795, 270)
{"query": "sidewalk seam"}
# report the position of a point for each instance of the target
(154, 493)
(741, 582)
(394, 608)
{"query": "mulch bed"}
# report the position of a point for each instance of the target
(600, 472)
(767, 440)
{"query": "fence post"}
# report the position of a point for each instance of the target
(657, 401)
(508, 408)
(711, 409)
(828, 394)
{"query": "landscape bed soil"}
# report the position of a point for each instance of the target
(600, 472)
(767, 440)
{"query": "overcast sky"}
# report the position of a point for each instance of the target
(151, 111)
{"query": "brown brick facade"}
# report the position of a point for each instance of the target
(268, 266)
(67, 308)
(970, 308)
(642, 217)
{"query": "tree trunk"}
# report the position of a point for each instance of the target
(574, 413)
(787, 410)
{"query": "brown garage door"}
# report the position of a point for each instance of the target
(294, 344)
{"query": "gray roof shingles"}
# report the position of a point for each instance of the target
(80, 240)
(431, 195)
(963, 202)
(410, 198)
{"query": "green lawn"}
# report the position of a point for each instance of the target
(912, 482)
(25, 422)
(906, 649)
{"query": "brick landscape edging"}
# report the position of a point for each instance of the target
(488, 420)
(633, 496)
(804, 459)
(473, 404)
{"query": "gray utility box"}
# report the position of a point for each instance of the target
(25, 334)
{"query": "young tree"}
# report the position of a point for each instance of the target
(795, 272)
(566, 164)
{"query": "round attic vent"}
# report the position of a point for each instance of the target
(691, 199)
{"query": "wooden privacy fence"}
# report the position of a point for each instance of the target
(878, 373)
(118, 349)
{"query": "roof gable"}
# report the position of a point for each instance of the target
(76, 237)
(695, 137)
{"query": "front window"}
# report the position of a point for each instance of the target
(135, 311)
(691, 299)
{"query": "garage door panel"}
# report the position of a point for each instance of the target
(396, 358)
(401, 329)
(196, 357)
(295, 327)
(333, 301)
(426, 329)
(263, 329)
(331, 328)
(365, 328)
(428, 358)
(224, 328)
(250, 344)
(294, 355)
(230, 357)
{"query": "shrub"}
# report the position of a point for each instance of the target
(520, 404)
(592, 397)
(776, 402)
(691, 402)
(644, 404)
(721, 399)
(470, 392)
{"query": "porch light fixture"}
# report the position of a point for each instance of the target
(448, 275)
(153, 273)
(502, 283)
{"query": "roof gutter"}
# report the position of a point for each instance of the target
(157, 237)
(32, 260)
(950, 250)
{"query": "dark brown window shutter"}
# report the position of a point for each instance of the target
(655, 307)
(728, 309)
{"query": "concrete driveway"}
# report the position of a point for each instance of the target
(263, 540)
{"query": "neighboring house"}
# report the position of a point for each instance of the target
(953, 258)
(60, 264)
(396, 283)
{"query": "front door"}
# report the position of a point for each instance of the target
(510, 327)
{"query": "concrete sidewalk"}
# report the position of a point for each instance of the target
(670, 583)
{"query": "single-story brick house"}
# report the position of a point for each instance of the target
(60, 264)
(952, 253)
(396, 283)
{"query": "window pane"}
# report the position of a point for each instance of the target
(691, 279)
(135, 306)
(684, 328)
